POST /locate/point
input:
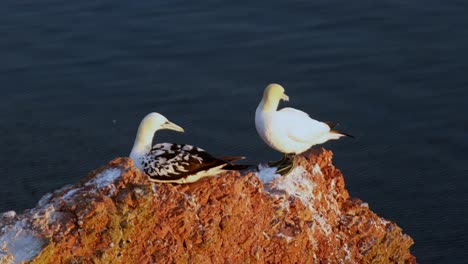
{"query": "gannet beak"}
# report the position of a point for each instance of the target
(284, 97)
(172, 126)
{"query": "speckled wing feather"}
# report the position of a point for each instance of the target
(173, 162)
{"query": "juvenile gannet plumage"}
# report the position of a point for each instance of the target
(289, 131)
(173, 163)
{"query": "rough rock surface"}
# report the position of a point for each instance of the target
(116, 216)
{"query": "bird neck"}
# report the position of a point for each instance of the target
(269, 105)
(143, 141)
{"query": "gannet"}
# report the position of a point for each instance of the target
(173, 163)
(289, 131)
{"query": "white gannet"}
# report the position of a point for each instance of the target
(173, 163)
(289, 131)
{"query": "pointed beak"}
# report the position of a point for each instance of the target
(284, 97)
(172, 126)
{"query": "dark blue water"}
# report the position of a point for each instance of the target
(76, 77)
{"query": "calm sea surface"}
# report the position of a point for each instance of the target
(76, 78)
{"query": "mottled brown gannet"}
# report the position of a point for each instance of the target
(174, 163)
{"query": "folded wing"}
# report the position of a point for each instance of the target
(300, 127)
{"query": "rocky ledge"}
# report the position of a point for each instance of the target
(116, 215)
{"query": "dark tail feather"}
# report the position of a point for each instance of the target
(342, 133)
(236, 167)
(332, 124)
(231, 158)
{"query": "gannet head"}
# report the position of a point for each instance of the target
(149, 125)
(274, 93)
(155, 121)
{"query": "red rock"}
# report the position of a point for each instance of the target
(115, 215)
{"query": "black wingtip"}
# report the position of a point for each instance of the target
(231, 158)
(332, 124)
(342, 133)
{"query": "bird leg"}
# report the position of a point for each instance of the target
(279, 162)
(284, 169)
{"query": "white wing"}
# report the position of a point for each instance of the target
(300, 127)
(293, 111)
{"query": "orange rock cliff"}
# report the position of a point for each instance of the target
(116, 215)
